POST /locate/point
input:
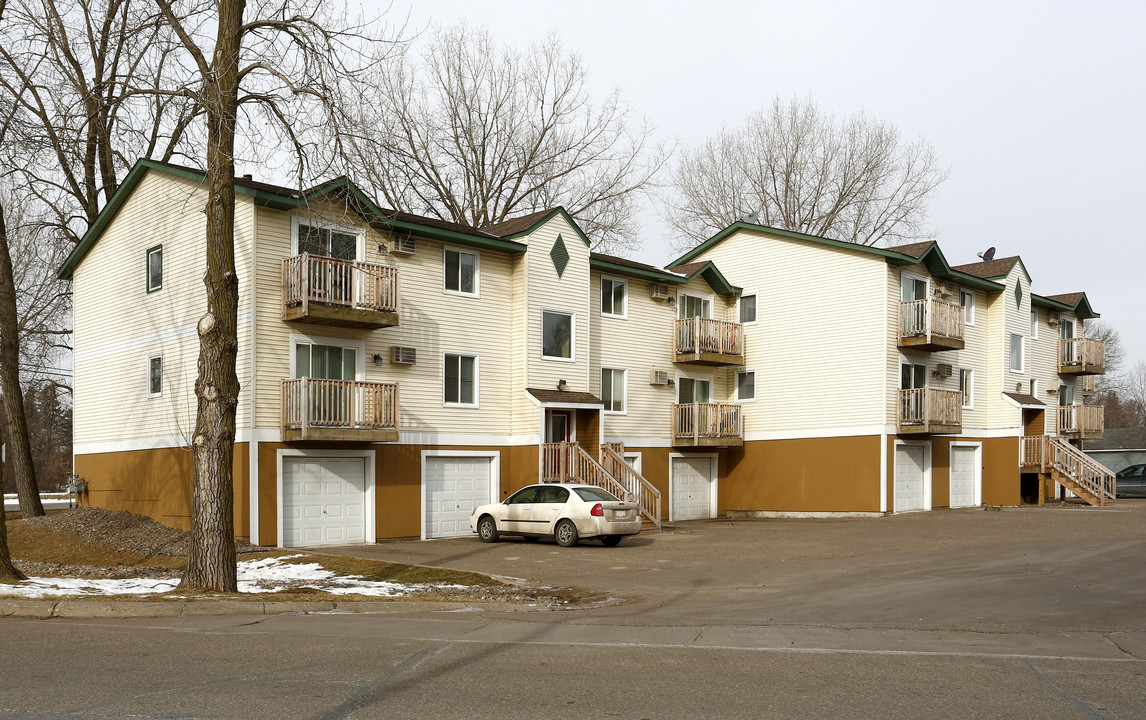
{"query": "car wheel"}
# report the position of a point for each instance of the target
(487, 529)
(565, 533)
(530, 538)
(610, 540)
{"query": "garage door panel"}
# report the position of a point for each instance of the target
(964, 476)
(324, 501)
(454, 487)
(910, 463)
(692, 483)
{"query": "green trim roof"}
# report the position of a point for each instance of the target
(628, 268)
(1080, 307)
(517, 230)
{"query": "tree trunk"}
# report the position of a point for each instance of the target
(211, 561)
(15, 424)
(8, 571)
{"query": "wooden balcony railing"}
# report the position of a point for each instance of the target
(1089, 384)
(339, 410)
(707, 424)
(1080, 421)
(336, 292)
(1081, 356)
(708, 342)
(926, 410)
(931, 324)
(1032, 452)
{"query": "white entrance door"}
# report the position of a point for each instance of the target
(964, 476)
(324, 501)
(693, 484)
(910, 463)
(454, 487)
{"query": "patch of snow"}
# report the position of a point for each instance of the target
(50, 501)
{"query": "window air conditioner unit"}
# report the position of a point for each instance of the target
(1052, 318)
(660, 292)
(658, 377)
(943, 370)
(403, 355)
(405, 246)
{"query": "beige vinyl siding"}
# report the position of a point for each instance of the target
(1044, 367)
(526, 420)
(430, 321)
(1010, 319)
(118, 324)
(818, 346)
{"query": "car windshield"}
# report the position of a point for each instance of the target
(592, 494)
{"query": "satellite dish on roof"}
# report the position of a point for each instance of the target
(987, 255)
(752, 218)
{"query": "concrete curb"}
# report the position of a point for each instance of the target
(48, 609)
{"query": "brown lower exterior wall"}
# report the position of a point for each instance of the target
(157, 483)
(1000, 470)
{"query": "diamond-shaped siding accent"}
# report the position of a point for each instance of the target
(560, 256)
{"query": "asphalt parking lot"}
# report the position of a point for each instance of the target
(1018, 613)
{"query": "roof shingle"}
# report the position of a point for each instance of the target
(989, 268)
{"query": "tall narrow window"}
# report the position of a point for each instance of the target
(1034, 324)
(461, 272)
(1016, 352)
(154, 268)
(1066, 328)
(556, 335)
(745, 385)
(747, 307)
(1066, 395)
(460, 387)
(967, 300)
(613, 294)
(613, 389)
(967, 387)
(154, 375)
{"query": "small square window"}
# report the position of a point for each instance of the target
(154, 268)
(745, 385)
(747, 306)
(613, 294)
(556, 335)
(154, 375)
(461, 272)
(613, 389)
(461, 384)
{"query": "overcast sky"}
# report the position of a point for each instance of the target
(1038, 108)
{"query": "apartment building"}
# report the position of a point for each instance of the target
(397, 370)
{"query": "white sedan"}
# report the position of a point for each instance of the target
(563, 511)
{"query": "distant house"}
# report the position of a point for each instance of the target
(1119, 447)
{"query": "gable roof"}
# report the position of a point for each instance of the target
(711, 274)
(516, 227)
(989, 269)
(679, 275)
(283, 198)
(915, 249)
(1076, 303)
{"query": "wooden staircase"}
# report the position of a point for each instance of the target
(1059, 461)
(569, 462)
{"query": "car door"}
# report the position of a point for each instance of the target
(517, 509)
(547, 507)
(1131, 481)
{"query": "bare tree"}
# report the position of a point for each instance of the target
(475, 132)
(1107, 334)
(796, 168)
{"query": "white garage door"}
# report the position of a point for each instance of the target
(454, 487)
(324, 501)
(964, 476)
(693, 481)
(909, 466)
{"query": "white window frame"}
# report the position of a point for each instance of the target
(613, 279)
(904, 360)
(477, 380)
(296, 220)
(635, 455)
(154, 356)
(624, 389)
(691, 375)
(151, 251)
(756, 314)
(736, 384)
(682, 294)
(358, 345)
(477, 271)
(905, 275)
(1022, 352)
(572, 335)
(1034, 324)
(1033, 387)
(969, 308)
(970, 395)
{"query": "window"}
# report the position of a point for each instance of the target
(745, 385)
(154, 268)
(461, 271)
(324, 240)
(912, 376)
(747, 306)
(325, 362)
(693, 306)
(967, 301)
(556, 335)
(967, 387)
(613, 389)
(693, 390)
(1034, 324)
(912, 288)
(1066, 395)
(460, 387)
(1033, 386)
(1066, 328)
(613, 294)
(154, 375)
(1016, 352)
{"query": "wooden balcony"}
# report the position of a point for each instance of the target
(707, 425)
(1081, 356)
(925, 411)
(1089, 385)
(701, 341)
(342, 410)
(324, 291)
(1083, 422)
(931, 325)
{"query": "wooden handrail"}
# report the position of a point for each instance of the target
(1076, 352)
(1082, 469)
(322, 280)
(569, 462)
(707, 420)
(931, 317)
(352, 404)
(643, 492)
(698, 335)
(921, 406)
(1080, 419)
